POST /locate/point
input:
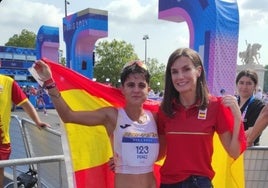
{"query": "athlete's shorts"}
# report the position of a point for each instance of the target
(5, 151)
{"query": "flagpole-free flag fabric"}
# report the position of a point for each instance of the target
(90, 146)
(229, 173)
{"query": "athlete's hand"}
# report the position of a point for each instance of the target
(43, 70)
(111, 164)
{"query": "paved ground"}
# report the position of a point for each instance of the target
(51, 117)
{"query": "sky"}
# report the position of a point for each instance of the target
(130, 20)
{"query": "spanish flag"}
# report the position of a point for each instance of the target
(90, 147)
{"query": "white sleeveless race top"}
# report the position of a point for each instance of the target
(135, 145)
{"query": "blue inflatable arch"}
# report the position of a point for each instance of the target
(81, 31)
(47, 44)
(213, 27)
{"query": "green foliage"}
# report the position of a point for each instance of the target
(110, 58)
(62, 60)
(157, 72)
(25, 39)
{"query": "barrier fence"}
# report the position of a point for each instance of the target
(256, 167)
(42, 150)
(39, 150)
(15, 163)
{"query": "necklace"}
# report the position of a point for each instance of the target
(142, 119)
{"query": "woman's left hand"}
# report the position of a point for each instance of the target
(231, 102)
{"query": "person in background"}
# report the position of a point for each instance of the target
(130, 127)
(188, 118)
(260, 124)
(32, 90)
(10, 93)
(258, 94)
(25, 89)
(40, 99)
(250, 106)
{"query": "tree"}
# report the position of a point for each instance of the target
(62, 60)
(157, 72)
(110, 58)
(25, 39)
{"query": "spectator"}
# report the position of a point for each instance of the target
(10, 92)
(40, 99)
(250, 106)
(259, 94)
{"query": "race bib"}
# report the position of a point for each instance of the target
(140, 151)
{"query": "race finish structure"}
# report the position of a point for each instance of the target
(213, 30)
(15, 62)
(81, 31)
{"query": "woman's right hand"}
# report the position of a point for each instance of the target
(111, 164)
(43, 70)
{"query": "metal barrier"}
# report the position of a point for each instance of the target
(31, 144)
(256, 167)
(42, 143)
(17, 141)
(34, 160)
